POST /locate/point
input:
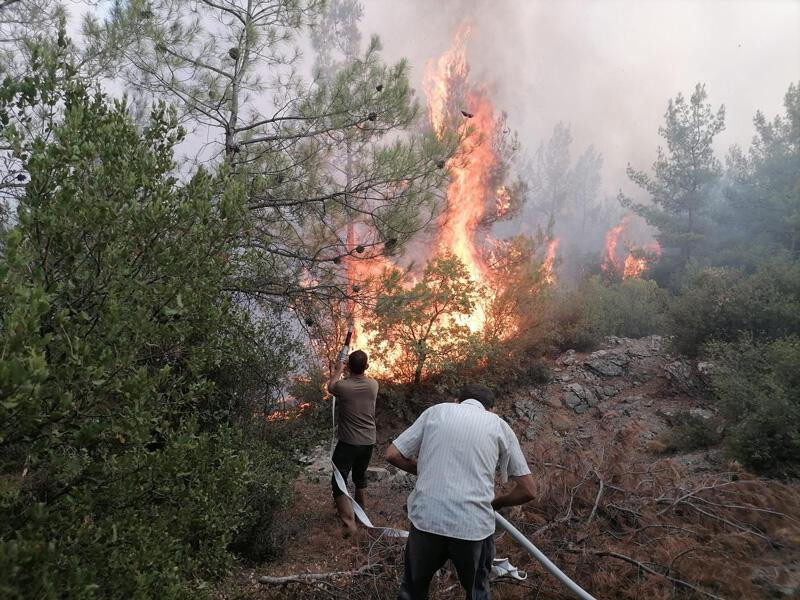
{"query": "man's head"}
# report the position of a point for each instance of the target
(479, 392)
(357, 362)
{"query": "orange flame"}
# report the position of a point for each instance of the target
(469, 192)
(548, 274)
(611, 263)
(470, 170)
(637, 259)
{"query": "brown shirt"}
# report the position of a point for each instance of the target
(355, 398)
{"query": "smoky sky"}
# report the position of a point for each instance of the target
(607, 67)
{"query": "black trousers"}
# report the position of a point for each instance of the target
(426, 553)
(349, 457)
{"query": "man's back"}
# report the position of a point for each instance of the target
(459, 447)
(356, 402)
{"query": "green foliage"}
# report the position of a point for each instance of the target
(763, 194)
(758, 389)
(598, 308)
(690, 432)
(123, 472)
(538, 372)
(425, 323)
(718, 303)
(684, 174)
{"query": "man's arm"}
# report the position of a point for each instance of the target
(522, 492)
(394, 457)
(337, 373)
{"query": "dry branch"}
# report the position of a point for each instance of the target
(314, 577)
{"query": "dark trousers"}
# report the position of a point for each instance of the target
(351, 456)
(426, 553)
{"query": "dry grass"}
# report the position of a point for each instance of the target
(621, 529)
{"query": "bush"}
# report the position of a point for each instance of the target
(718, 303)
(124, 471)
(538, 372)
(630, 308)
(758, 388)
(690, 432)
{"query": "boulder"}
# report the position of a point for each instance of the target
(579, 398)
(607, 363)
(680, 375)
(377, 474)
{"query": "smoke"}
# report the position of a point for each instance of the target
(607, 67)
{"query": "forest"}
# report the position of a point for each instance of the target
(199, 198)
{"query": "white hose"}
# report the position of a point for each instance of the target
(546, 562)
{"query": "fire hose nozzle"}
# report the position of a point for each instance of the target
(345, 352)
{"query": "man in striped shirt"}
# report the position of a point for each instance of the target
(455, 449)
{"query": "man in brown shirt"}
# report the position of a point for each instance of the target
(355, 397)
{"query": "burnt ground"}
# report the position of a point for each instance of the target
(620, 512)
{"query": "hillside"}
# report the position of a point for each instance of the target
(624, 508)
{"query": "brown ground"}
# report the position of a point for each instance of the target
(620, 517)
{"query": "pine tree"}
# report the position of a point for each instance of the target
(684, 174)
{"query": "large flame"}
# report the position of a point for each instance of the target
(470, 169)
(469, 194)
(637, 259)
(548, 265)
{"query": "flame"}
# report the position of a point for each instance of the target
(469, 192)
(450, 66)
(611, 263)
(548, 274)
(637, 259)
(470, 170)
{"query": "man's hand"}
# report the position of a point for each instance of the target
(522, 492)
(337, 373)
(393, 457)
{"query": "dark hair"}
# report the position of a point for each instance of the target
(479, 392)
(357, 361)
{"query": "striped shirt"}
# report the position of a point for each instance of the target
(458, 449)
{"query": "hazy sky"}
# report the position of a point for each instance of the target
(607, 67)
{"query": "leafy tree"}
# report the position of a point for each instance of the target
(551, 175)
(425, 323)
(586, 177)
(684, 175)
(231, 68)
(764, 192)
(123, 470)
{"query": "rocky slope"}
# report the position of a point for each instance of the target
(622, 516)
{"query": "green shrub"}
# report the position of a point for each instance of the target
(538, 372)
(691, 432)
(758, 388)
(597, 308)
(124, 471)
(718, 303)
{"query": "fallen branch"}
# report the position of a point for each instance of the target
(309, 577)
(597, 499)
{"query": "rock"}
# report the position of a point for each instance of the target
(402, 480)
(568, 358)
(578, 397)
(525, 409)
(702, 413)
(530, 432)
(607, 363)
(679, 373)
(376, 474)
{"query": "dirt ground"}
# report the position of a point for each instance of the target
(595, 440)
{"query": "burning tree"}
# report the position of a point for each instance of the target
(426, 323)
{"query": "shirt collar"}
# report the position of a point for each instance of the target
(473, 402)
